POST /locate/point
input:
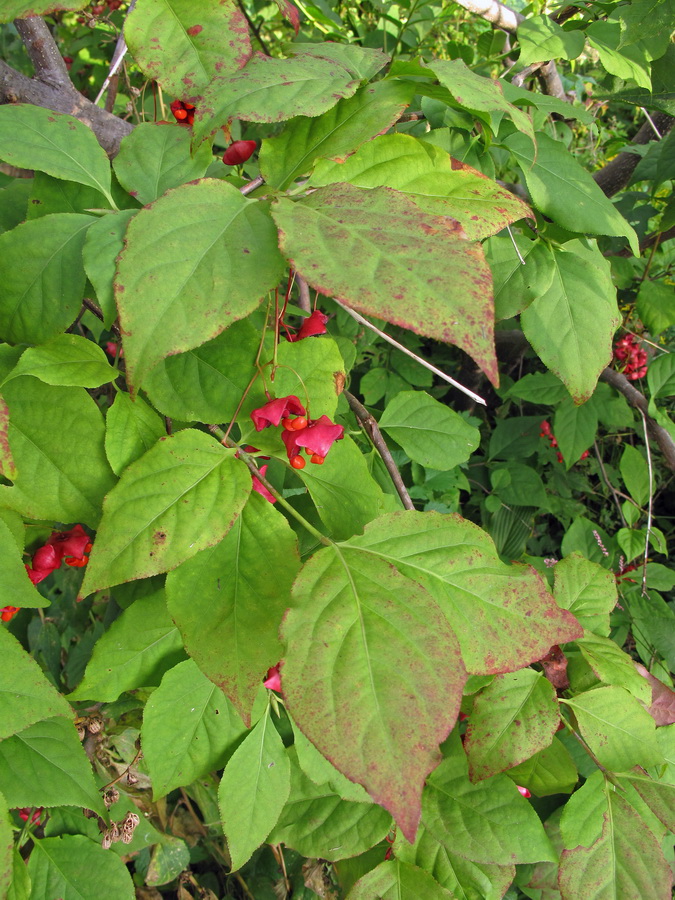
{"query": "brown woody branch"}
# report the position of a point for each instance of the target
(618, 172)
(372, 429)
(51, 87)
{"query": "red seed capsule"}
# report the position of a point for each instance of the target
(239, 152)
(298, 462)
(317, 460)
(299, 423)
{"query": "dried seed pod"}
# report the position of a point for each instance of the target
(115, 833)
(127, 837)
(95, 725)
(81, 732)
(131, 778)
(106, 840)
(112, 795)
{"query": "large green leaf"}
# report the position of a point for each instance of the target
(562, 189)
(19, 9)
(181, 496)
(317, 768)
(377, 652)
(25, 694)
(68, 360)
(430, 432)
(362, 62)
(156, 157)
(612, 665)
(14, 583)
(571, 325)
(575, 428)
(482, 96)
(228, 601)
(517, 285)
(131, 429)
(317, 822)
(254, 787)
(6, 848)
(196, 260)
(658, 795)
(63, 473)
(550, 771)
(587, 590)
(189, 727)
(102, 245)
(513, 718)
(73, 867)
(42, 277)
(375, 250)
(335, 134)
(396, 880)
(45, 765)
(54, 195)
(271, 90)
(32, 137)
(617, 728)
(503, 615)
(488, 822)
(644, 19)
(540, 38)
(467, 879)
(626, 860)
(630, 63)
(182, 44)
(138, 648)
(438, 184)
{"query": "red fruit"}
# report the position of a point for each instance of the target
(180, 114)
(554, 442)
(76, 563)
(239, 152)
(560, 456)
(98, 9)
(524, 791)
(317, 460)
(584, 455)
(299, 423)
(7, 613)
(545, 428)
(272, 679)
(298, 462)
(287, 424)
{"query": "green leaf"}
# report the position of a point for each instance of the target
(661, 376)
(25, 694)
(68, 360)
(103, 244)
(316, 822)
(73, 867)
(644, 19)
(629, 62)
(32, 137)
(575, 428)
(169, 858)
(181, 496)
(562, 189)
(333, 135)
(658, 795)
(513, 718)
(254, 787)
(189, 727)
(156, 156)
(587, 590)
(6, 848)
(19, 9)
(228, 601)
(571, 325)
(429, 279)
(317, 768)
(14, 583)
(626, 860)
(45, 765)
(488, 822)
(617, 728)
(20, 886)
(362, 62)
(612, 666)
(635, 474)
(63, 473)
(175, 286)
(344, 492)
(465, 878)
(550, 771)
(131, 429)
(13, 203)
(54, 195)
(182, 44)
(271, 90)
(430, 432)
(524, 487)
(438, 184)
(482, 96)
(655, 306)
(377, 650)
(40, 261)
(396, 880)
(138, 648)
(514, 620)
(517, 285)
(541, 39)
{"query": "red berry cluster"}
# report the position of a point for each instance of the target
(634, 360)
(315, 436)
(546, 432)
(183, 113)
(70, 547)
(99, 8)
(238, 152)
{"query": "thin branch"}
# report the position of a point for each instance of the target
(98, 312)
(422, 362)
(617, 173)
(252, 185)
(493, 11)
(254, 28)
(44, 54)
(649, 241)
(648, 535)
(117, 58)
(304, 300)
(369, 424)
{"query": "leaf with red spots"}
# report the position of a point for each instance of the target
(379, 253)
(182, 44)
(290, 12)
(7, 464)
(428, 175)
(372, 675)
(504, 616)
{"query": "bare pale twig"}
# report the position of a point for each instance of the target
(304, 301)
(422, 362)
(117, 59)
(369, 424)
(651, 122)
(252, 185)
(493, 11)
(515, 246)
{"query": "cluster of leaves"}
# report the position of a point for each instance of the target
(475, 696)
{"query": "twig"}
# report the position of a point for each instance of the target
(422, 362)
(252, 185)
(493, 11)
(98, 312)
(651, 122)
(304, 301)
(609, 484)
(369, 424)
(651, 502)
(515, 246)
(254, 28)
(617, 173)
(118, 56)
